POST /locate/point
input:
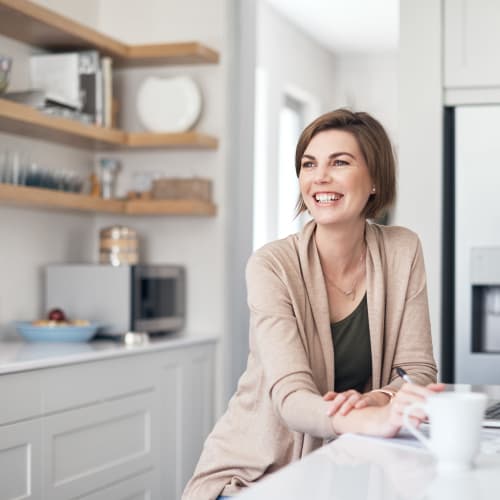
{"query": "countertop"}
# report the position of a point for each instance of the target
(363, 468)
(23, 356)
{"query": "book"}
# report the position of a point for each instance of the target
(91, 84)
(107, 80)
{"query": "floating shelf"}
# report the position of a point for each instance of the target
(179, 140)
(23, 196)
(171, 207)
(35, 25)
(24, 120)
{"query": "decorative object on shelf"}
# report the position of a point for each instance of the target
(118, 245)
(108, 170)
(195, 188)
(56, 333)
(18, 169)
(169, 104)
(135, 338)
(5, 65)
(95, 185)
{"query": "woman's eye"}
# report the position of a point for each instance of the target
(307, 164)
(340, 163)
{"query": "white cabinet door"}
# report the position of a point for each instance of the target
(90, 448)
(471, 42)
(134, 488)
(20, 461)
(186, 388)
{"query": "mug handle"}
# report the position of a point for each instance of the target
(407, 423)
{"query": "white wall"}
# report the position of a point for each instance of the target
(369, 82)
(420, 139)
(289, 62)
(85, 12)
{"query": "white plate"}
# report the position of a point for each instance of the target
(169, 104)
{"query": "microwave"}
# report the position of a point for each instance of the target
(137, 298)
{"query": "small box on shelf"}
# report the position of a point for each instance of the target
(195, 188)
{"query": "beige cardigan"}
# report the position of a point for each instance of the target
(277, 414)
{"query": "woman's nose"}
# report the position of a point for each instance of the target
(323, 174)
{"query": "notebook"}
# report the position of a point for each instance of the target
(492, 414)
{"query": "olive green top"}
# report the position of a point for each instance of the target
(352, 350)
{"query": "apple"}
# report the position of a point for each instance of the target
(56, 315)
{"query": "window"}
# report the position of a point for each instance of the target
(290, 126)
(276, 187)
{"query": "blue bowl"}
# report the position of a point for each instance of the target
(65, 333)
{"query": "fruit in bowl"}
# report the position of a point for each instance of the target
(57, 317)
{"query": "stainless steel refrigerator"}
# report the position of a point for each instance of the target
(471, 255)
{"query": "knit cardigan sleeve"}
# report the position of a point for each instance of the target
(276, 342)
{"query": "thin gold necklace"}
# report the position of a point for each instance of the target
(352, 291)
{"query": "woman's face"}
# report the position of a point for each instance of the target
(334, 178)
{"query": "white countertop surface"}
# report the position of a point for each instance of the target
(363, 468)
(23, 356)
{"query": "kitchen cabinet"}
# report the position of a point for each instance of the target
(38, 26)
(471, 40)
(131, 426)
(21, 460)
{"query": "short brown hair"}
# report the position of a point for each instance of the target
(375, 146)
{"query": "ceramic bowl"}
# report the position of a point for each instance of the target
(65, 333)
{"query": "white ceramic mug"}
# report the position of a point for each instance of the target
(455, 427)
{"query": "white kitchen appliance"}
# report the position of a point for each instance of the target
(471, 258)
(140, 298)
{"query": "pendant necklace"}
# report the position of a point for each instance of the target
(352, 291)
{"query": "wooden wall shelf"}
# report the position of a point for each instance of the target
(24, 120)
(23, 196)
(36, 25)
(191, 139)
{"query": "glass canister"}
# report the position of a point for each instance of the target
(118, 246)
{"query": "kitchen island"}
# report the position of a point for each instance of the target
(364, 468)
(103, 420)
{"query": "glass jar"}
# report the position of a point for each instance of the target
(118, 245)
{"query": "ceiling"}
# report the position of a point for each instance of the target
(346, 25)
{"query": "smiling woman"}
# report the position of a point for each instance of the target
(334, 311)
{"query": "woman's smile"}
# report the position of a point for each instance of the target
(328, 198)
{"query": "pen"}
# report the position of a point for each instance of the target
(402, 373)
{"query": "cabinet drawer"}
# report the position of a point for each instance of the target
(136, 488)
(20, 461)
(83, 384)
(90, 448)
(20, 396)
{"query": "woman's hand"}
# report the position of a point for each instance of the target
(408, 394)
(389, 420)
(344, 402)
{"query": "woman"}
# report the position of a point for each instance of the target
(334, 310)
